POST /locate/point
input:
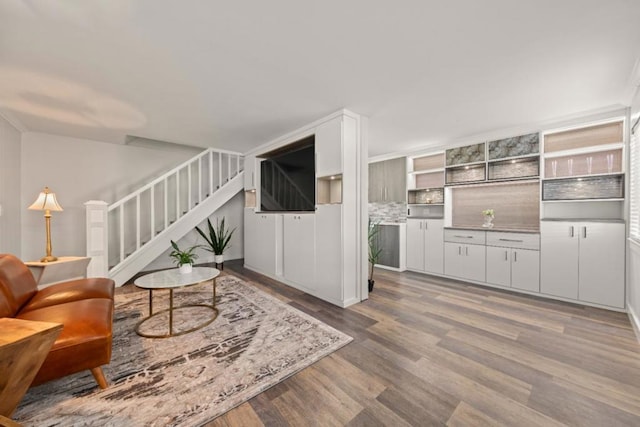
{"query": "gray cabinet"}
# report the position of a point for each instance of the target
(388, 240)
(387, 181)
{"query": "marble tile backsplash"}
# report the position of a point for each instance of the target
(392, 212)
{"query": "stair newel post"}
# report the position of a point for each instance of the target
(97, 228)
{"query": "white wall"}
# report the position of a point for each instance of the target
(78, 170)
(11, 210)
(233, 212)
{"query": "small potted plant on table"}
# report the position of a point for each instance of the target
(488, 218)
(183, 259)
(217, 240)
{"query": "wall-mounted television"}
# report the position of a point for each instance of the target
(288, 178)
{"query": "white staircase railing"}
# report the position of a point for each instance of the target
(120, 232)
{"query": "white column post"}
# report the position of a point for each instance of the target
(97, 238)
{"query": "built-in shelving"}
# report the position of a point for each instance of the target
(329, 190)
(584, 163)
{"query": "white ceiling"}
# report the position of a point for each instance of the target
(236, 74)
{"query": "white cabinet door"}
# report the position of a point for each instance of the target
(525, 269)
(260, 238)
(329, 249)
(601, 265)
(499, 266)
(559, 251)
(433, 246)
(453, 259)
(299, 250)
(328, 142)
(474, 262)
(249, 173)
(415, 244)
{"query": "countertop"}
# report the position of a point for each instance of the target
(503, 230)
(392, 223)
(619, 221)
(425, 217)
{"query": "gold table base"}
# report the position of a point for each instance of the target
(171, 309)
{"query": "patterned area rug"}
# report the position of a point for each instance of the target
(256, 342)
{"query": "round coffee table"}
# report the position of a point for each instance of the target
(173, 279)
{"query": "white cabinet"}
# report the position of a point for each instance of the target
(513, 259)
(300, 249)
(328, 143)
(260, 241)
(250, 173)
(517, 268)
(465, 254)
(583, 261)
(425, 245)
(329, 282)
(464, 261)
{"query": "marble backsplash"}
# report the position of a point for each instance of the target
(392, 212)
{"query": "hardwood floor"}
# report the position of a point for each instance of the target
(431, 351)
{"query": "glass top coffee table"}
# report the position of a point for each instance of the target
(173, 279)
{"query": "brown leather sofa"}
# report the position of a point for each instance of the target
(84, 307)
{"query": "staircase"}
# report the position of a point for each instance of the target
(138, 228)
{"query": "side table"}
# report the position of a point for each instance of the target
(65, 268)
(24, 344)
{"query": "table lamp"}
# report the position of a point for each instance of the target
(47, 202)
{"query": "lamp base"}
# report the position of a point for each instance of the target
(49, 258)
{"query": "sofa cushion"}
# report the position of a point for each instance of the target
(17, 285)
(85, 340)
(74, 290)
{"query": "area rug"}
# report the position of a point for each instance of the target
(256, 342)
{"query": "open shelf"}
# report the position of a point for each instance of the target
(584, 188)
(527, 167)
(329, 190)
(425, 196)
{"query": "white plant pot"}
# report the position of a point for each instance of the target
(185, 268)
(219, 259)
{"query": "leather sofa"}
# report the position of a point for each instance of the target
(84, 307)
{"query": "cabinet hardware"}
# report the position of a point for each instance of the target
(385, 193)
(426, 225)
(511, 240)
(459, 250)
(420, 225)
(515, 256)
(463, 237)
(466, 250)
(571, 231)
(506, 255)
(584, 232)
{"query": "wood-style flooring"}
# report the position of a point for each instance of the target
(431, 351)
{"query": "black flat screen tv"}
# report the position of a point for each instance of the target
(288, 178)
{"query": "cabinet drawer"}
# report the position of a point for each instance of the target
(475, 237)
(513, 240)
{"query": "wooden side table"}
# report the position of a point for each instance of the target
(24, 344)
(65, 268)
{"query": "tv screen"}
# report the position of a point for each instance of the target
(288, 178)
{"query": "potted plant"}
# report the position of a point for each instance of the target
(488, 218)
(374, 251)
(183, 259)
(218, 239)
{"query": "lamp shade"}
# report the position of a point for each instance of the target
(46, 201)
